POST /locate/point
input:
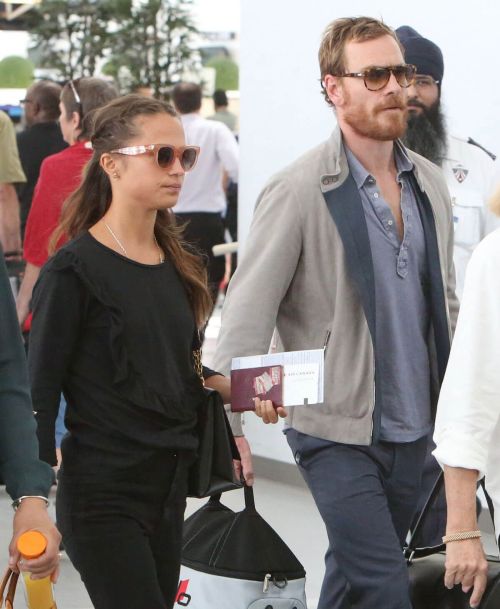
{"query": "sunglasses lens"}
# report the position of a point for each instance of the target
(188, 159)
(377, 78)
(405, 75)
(165, 156)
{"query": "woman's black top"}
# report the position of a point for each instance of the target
(117, 337)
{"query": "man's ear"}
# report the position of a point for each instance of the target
(334, 90)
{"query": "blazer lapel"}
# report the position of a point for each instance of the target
(345, 206)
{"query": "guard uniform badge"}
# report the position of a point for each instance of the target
(460, 173)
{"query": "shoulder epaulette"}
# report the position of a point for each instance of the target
(474, 143)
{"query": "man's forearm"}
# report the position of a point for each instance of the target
(10, 221)
(461, 499)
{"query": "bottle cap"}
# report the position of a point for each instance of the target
(31, 544)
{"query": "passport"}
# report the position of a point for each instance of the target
(264, 382)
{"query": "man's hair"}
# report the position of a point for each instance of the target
(93, 93)
(46, 94)
(338, 34)
(220, 98)
(187, 97)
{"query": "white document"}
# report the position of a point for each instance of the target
(303, 371)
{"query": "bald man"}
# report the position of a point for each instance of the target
(41, 137)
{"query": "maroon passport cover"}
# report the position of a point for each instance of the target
(265, 382)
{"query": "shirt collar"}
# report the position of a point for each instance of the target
(361, 175)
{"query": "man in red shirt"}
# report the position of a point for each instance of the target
(60, 175)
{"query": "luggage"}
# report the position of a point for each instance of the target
(426, 571)
(235, 560)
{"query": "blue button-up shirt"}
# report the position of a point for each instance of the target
(401, 305)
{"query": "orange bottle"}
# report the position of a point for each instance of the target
(38, 592)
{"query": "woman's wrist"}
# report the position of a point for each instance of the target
(461, 536)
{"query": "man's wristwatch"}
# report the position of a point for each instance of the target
(17, 502)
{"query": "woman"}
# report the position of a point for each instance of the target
(115, 318)
(467, 431)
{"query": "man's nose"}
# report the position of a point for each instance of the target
(393, 85)
(412, 91)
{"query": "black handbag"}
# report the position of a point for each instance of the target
(213, 470)
(426, 570)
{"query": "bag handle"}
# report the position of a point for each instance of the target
(249, 497)
(410, 551)
(10, 578)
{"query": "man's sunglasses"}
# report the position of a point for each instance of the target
(165, 155)
(376, 78)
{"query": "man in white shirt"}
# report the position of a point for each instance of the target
(469, 170)
(202, 202)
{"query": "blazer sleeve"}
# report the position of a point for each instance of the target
(261, 280)
(20, 467)
(58, 308)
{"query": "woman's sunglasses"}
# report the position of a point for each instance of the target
(165, 154)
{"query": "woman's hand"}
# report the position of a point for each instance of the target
(466, 564)
(245, 466)
(267, 412)
(32, 515)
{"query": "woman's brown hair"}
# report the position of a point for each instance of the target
(113, 126)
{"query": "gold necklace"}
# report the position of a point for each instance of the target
(120, 244)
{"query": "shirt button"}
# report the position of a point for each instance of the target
(390, 223)
(375, 195)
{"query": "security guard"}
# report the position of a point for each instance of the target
(469, 169)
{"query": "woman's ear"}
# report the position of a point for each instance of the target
(76, 122)
(107, 163)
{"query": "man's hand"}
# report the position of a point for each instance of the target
(466, 564)
(32, 515)
(246, 460)
(267, 412)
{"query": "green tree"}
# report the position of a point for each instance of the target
(154, 45)
(226, 73)
(16, 72)
(72, 36)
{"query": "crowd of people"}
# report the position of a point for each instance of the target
(376, 236)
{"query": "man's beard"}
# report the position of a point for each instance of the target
(426, 132)
(377, 123)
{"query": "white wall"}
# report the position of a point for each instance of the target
(283, 113)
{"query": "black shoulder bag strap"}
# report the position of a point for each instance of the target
(410, 551)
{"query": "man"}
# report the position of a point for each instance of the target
(355, 239)
(469, 171)
(11, 173)
(27, 479)
(222, 113)
(202, 201)
(41, 138)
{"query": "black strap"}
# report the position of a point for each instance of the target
(488, 501)
(410, 551)
(249, 497)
